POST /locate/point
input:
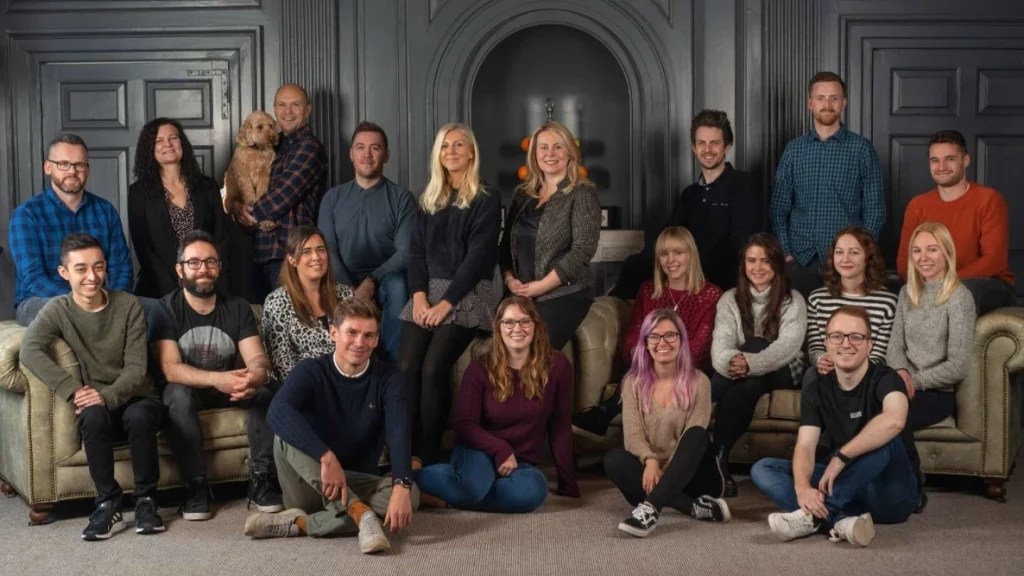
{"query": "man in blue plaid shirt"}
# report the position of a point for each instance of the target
(40, 224)
(298, 181)
(827, 179)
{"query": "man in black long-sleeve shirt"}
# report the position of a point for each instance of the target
(331, 420)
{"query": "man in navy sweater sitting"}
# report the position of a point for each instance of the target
(330, 421)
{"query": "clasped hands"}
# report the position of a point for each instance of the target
(526, 290)
(427, 316)
(738, 367)
(87, 396)
(241, 384)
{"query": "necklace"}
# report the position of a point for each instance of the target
(675, 302)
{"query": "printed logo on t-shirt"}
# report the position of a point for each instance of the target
(855, 415)
(207, 348)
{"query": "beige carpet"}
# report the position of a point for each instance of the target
(959, 533)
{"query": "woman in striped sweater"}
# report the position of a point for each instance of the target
(854, 277)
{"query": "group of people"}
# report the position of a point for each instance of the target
(370, 296)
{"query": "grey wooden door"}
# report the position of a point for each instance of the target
(975, 90)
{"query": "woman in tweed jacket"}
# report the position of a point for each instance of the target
(552, 230)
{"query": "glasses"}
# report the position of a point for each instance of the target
(64, 165)
(855, 338)
(669, 337)
(195, 263)
(510, 324)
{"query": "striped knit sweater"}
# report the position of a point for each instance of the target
(881, 307)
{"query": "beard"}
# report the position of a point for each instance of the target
(198, 290)
(68, 184)
(826, 117)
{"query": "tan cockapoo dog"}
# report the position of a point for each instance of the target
(248, 175)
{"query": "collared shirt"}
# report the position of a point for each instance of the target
(821, 187)
(346, 375)
(37, 229)
(298, 180)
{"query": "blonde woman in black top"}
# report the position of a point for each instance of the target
(553, 226)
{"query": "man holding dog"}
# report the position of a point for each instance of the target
(298, 180)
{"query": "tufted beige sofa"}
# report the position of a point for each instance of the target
(981, 441)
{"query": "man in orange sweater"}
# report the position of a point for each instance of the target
(976, 218)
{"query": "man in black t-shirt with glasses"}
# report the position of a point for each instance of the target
(208, 347)
(852, 423)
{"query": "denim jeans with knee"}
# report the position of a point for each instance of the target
(470, 481)
(881, 482)
(391, 296)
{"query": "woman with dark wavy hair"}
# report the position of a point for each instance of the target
(855, 276)
(756, 346)
(170, 198)
(509, 402)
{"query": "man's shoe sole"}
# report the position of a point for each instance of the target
(726, 513)
(197, 516)
(863, 531)
(637, 532)
(272, 508)
(150, 530)
(114, 529)
(379, 546)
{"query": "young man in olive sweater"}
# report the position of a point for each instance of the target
(106, 330)
(331, 420)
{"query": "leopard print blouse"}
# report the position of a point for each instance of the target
(287, 339)
(183, 220)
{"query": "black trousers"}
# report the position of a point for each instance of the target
(692, 472)
(138, 421)
(186, 435)
(737, 399)
(427, 359)
(929, 407)
(563, 316)
(805, 279)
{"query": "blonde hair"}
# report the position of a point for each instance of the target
(535, 178)
(678, 236)
(438, 193)
(915, 282)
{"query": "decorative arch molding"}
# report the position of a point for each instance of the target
(456, 63)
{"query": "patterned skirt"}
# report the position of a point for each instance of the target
(474, 310)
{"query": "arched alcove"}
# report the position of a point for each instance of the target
(582, 78)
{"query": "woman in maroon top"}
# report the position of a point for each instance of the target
(678, 285)
(509, 401)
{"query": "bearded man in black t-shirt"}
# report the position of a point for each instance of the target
(853, 464)
(209, 350)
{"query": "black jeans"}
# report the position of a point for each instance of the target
(428, 357)
(138, 420)
(805, 278)
(737, 399)
(264, 279)
(563, 316)
(692, 472)
(990, 293)
(186, 434)
(929, 407)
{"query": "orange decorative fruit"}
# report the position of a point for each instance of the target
(577, 142)
(525, 144)
(522, 171)
(584, 172)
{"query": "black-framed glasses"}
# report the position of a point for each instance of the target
(64, 165)
(510, 324)
(855, 338)
(196, 263)
(669, 337)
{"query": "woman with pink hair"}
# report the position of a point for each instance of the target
(666, 408)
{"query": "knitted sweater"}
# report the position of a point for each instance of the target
(881, 307)
(933, 342)
(656, 433)
(697, 311)
(785, 350)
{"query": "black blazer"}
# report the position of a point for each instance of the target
(149, 225)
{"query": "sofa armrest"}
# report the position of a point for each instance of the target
(596, 346)
(11, 377)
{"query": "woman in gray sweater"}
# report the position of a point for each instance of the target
(931, 338)
(756, 347)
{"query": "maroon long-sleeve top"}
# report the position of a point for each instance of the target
(518, 426)
(697, 311)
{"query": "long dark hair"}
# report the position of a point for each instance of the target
(874, 264)
(289, 276)
(147, 170)
(778, 292)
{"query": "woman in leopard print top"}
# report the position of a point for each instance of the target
(296, 316)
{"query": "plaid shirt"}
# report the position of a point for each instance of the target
(40, 224)
(298, 181)
(822, 186)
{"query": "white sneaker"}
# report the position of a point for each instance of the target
(270, 525)
(371, 534)
(792, 525)
(857, 530)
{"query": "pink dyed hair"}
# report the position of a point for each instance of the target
(642, 366)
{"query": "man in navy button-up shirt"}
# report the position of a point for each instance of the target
(827, 179)
(40, 224)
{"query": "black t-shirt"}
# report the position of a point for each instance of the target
(206, 341)
(842, 414)
(527, 226)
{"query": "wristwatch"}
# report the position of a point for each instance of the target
(403, 482)
(842, 457)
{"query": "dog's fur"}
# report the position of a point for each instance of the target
(248, 175)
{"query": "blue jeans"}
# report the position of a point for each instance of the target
(391, 296)
(28, 309)
(471, 482)
(881, 482)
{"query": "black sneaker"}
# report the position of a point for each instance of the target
(197, 504)
(722, 460)
(104, 522)
(710, 509)
(147, 517)
(592, 424)
(641, 522)
(264, 494)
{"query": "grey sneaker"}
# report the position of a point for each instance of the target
(371, 534)
(857, 530)
(792, 525)
(270, 525)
